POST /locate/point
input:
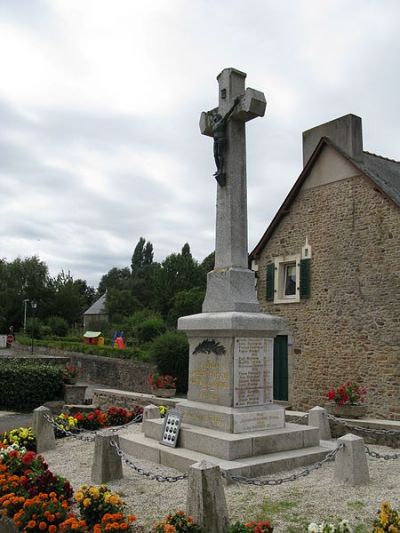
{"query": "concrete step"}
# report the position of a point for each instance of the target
(231, 446)
(139, 446)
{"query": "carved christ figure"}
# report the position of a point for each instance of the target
(219, 133)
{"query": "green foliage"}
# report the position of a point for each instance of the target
(27, 385)
(170, 352)
(121, 303)
(150, 328)
(178, 272)
(58, 326)
(36, 325)
(78, 346)
(185, 303)
(45, 331)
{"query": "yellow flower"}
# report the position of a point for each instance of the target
(114, 499)
(94, 492)
(107, 496)
(79, 496)
(87, 502)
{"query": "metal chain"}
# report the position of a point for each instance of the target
(87, 435)
(141, 471)
(365, 429)
(272, 482)
(377, 455)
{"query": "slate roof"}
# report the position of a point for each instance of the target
(98, 308)
(384, 172)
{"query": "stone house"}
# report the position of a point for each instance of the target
(330, 263)
(96, 315)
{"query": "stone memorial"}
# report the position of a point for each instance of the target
(229, 417)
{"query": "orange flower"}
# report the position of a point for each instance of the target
(52, 529)
(42, 526)
(31, 524)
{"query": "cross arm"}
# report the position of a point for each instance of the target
(252, 104)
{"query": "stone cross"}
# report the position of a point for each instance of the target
(231, 247)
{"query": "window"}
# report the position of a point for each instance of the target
(288, 277)
(289, 280)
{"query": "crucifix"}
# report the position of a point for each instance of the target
(226, 124)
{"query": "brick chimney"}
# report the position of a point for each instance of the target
(345, 132)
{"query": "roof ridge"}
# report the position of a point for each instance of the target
(381, 156)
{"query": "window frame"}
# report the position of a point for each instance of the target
(281, 263)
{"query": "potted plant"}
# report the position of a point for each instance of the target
(347, 400)
(70, 374)
(162, 385)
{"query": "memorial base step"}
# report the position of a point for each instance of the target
(231, 446)
(142, 447)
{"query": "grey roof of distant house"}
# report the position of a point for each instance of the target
(98, 308)
(384, 172)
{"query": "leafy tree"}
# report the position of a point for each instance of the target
(19, 280)
(208, 263)
(143, 273)
(185, 303)
(116, 278)
(178, 272)
(120, 303)
(69, 298)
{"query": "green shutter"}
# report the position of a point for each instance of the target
(270, 291)
(305, 278)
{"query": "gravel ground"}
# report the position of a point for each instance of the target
(290, 506)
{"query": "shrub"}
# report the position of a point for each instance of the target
(150, 329)
(36, 325)
(45, 331)
(29, 385)
(170, 352)
(58, 325)
(186, 303)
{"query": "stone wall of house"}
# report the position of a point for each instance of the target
(349, 328)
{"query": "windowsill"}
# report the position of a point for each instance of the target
(286, 300)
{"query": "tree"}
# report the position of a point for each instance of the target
(69, 298)
(120, 303)
(143, 272)
(185, 303)
(116, 278)
(19, 280)
(178, 272)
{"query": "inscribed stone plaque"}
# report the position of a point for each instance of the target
(253, 379)
(210, 374)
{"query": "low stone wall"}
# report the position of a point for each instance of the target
(373, 431)
(123, 374)
(105, 398)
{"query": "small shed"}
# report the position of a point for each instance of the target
(96, 314)
(93, 337)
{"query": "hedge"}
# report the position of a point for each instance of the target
(73, 346)
(28, 385)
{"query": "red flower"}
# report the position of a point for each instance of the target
(28, 458)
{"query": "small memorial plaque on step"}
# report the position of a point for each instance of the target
(171, 427)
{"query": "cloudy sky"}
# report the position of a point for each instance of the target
(100, 102)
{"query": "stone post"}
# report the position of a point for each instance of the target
(318, 417)
(107, 464)
(351, 467)
(43, 430)
(7, 525)
(206, 497)
(151, 411)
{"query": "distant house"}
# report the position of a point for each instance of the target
(330, 263)
(96, 315)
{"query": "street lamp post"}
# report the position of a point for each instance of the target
(25, 305)
(34, 306)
